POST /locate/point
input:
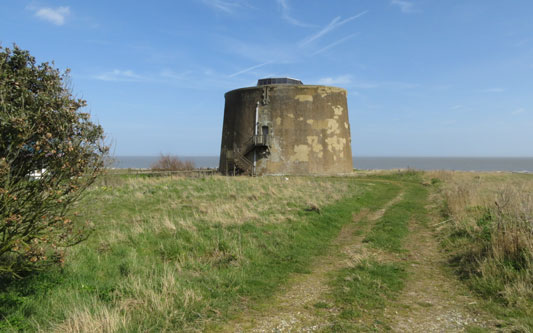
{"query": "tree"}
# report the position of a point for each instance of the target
(50, 152)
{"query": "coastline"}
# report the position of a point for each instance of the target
(507, 164)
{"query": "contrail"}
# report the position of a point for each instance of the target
(250, 68)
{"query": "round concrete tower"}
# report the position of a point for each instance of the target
(284, 127)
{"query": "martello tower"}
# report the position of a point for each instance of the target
(282, 126)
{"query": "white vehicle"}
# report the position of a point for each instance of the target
(37, 174)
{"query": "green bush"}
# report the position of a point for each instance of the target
(49, 153)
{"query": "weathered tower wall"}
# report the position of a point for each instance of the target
(286, 129)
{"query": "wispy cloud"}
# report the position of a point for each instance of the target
(350, 82)
(405, 6)
(120, 75)
(347, 80)
(441, 87)
(341, 79)
(285, 14)
(519, 111)
(226, 6)
(334, 24)
(492, 90)
(340, 41)
(56, 16)
(169, 74)
(261, 52)
(249, 69)
(193, 77)
(366, 85)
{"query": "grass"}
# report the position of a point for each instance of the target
(361, 291)
(487, 229)
(388, 233)
(175, 254)
(178, 254)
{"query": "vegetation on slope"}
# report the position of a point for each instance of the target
(179, 254)
(488, 229)
(175, 254)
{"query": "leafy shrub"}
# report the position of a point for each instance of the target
(49, 153)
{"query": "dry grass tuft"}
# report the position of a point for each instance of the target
(489, 228)
(231, 201)
(86, 320)
(170, 243)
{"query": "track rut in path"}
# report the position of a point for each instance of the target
(432, 300)
(293, 308)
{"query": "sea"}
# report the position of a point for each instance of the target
(514, 164)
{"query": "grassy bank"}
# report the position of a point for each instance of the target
(181, 254)
(487, 227)
(176, 254)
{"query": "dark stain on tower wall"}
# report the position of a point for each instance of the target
(286, 128)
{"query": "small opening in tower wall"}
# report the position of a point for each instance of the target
(264, 132)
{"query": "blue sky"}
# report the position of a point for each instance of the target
(424, 78)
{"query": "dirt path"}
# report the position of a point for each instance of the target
(294, 307)
(432, 300)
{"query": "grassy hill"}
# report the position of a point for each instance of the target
(180, 254)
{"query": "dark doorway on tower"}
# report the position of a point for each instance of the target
(264, 132)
